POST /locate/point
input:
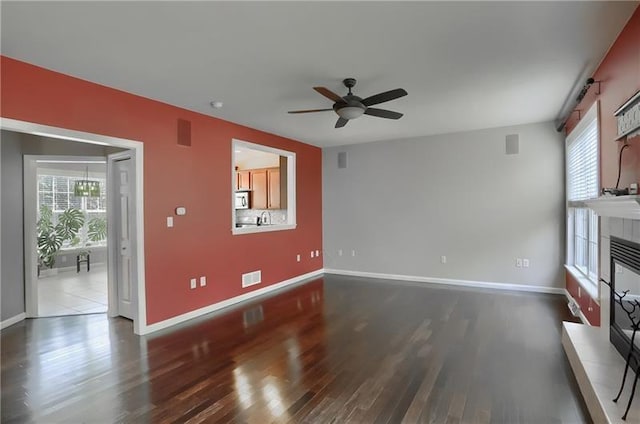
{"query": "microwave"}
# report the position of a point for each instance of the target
(242, 200)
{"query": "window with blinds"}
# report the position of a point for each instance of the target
(582, 159)
(582, 164)
(56, 192)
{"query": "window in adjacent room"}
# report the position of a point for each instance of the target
(582, 184)
(56, 192)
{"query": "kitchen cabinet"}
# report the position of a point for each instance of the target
(273, 186)
(268, 190)
(243, 180)
(259, 189)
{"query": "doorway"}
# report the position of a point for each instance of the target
(71, 226)
(134, 260)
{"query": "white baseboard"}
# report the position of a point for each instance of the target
(13, 320)
(450, 282)
(229, 302)
(580, 314)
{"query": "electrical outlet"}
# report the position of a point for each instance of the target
(203, 281)
(317, 253)
(339, 252)
(525, 263)
(443, 259)
(353, 253)
(169, 221)
(298, 257)
(518, 262)
(312, 253)
(193, 283)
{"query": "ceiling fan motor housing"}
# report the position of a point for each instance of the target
(351, 101)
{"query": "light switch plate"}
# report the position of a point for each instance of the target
(193, 283)
(169, 221)
(203, 281)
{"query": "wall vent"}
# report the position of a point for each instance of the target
(184, 132)
(342, 160)
(251, 278)
(512, 145)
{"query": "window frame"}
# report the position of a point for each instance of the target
(290, 223)
(585, 269)
(71, 176)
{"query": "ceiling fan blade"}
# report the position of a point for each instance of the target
(383, 113)
(309, 110)
(328, 94)
(341, 122)
(384, 97)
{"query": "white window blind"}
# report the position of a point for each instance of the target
(582, 159)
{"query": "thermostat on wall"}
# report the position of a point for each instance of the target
(181, 211)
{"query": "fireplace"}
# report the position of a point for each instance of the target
(625, 275)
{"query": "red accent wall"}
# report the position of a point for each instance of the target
(619, 74)
(196, 177)
(584, 300)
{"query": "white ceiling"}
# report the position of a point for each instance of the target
(466, 65)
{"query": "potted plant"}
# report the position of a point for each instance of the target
(52, 236)
(97, 229)
(96, 232)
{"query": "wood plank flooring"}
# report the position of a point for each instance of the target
(335, 350)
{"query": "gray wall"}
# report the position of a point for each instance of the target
(14, 146)
(12, 288)
(403, 204)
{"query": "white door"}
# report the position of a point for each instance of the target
(123, 222)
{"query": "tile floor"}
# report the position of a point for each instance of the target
(71, 293)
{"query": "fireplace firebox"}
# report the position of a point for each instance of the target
(625, 277)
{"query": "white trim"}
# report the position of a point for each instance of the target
(229, 302)
(30, 216)
(580, 314)
(13, 320)
(262, 229)
(450, 281)
(139, 321)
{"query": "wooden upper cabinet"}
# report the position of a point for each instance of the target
(243, 180)
(273, 183)
(268, 186)
(259, 189)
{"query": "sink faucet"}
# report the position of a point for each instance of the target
(265, 217)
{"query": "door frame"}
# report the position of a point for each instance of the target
(112, 232)
(137, 148)
(30, 216)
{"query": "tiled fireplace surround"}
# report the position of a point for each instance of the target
(628, 229)
(597, 365)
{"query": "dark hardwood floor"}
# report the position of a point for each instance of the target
(335, 350)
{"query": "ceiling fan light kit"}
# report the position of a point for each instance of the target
(350, 112)
(352, 107)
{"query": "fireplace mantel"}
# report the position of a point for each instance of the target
(616, 206)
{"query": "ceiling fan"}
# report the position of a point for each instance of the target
(352, 107)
